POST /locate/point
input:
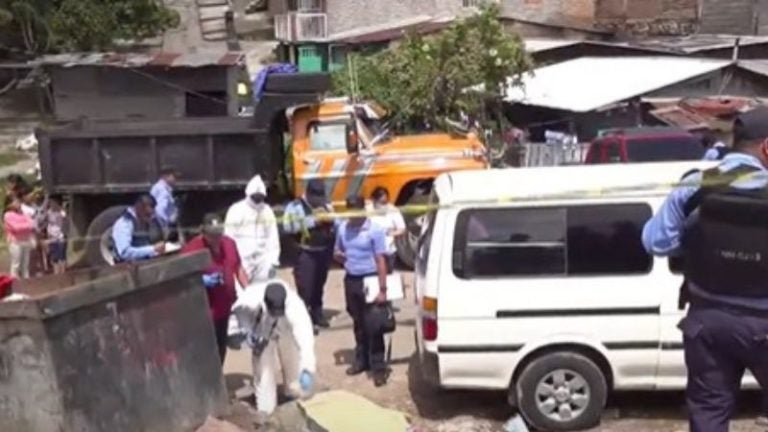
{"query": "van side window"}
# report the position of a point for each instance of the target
(606, 239)
(572, 241)
(506, 242)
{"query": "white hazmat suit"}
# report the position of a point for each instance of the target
(290, 347)
(253, 227)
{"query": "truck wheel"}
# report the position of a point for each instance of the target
(562, 391)
(407, 244)
(98, 247)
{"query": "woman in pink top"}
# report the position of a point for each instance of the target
(20, 233)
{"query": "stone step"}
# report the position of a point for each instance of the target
(213, 12)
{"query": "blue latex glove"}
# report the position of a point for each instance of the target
(307, 381)
(212, 280)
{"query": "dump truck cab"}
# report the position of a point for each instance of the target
(347, 146)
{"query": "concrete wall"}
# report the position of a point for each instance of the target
(648, 17)
(727, 16)
(98, 92)
(549, 10)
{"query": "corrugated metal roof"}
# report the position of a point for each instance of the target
(757, 66)
(697, 43)
(136, 60)
(422, 24)
(590, 83)
(534, 45)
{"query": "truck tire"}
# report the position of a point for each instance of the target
(561, 391)
(97, 241)
(407, 244)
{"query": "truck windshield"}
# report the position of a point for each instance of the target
(664, 149)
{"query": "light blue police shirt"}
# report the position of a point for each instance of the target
(165, 209)
(122, 237)
(662, 234)
(361, 245)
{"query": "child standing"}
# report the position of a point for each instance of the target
(20, 234)
(57, 243)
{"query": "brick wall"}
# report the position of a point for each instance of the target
(648, 17)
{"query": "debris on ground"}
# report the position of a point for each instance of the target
(329, 412)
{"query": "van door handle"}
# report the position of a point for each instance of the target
(308, 161)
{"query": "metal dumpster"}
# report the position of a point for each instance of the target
(127, 348)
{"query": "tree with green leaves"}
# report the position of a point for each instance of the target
(461, 71)
(32, 27)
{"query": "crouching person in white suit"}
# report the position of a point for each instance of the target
(275, 324)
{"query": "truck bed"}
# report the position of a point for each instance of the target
(127, 156)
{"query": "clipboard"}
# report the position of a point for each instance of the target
(395, 290)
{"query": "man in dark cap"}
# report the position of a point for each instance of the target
(275, 321)
(718, 224)
(307, 218)
(219, 277)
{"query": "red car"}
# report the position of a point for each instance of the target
(645, 144)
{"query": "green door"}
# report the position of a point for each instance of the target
(310, 59)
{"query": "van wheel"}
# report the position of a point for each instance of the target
(562, 391)
(98, 239)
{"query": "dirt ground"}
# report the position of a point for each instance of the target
(443, 411)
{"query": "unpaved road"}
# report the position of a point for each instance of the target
(441, 411)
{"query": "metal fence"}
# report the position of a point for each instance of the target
(544, 154)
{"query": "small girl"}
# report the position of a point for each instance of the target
(57, 244)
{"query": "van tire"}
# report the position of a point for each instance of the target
(100, 227)
(570, 376)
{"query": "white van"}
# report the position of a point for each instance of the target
(535, 281)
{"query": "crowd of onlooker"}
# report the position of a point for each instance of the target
(35, 227)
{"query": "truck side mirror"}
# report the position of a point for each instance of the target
(353, 142)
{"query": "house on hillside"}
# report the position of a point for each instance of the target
(586, 95)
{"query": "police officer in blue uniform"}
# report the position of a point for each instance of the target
(717, 223)
(315, 236)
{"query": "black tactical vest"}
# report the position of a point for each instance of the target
(726, 247)
(321, 236)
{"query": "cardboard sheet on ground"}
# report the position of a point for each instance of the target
(340, 411)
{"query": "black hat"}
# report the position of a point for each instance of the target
(316, 188)
(751, 125)
(274, 298)
(213, 224)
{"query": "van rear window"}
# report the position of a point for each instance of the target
(587, 240)
(664, 149)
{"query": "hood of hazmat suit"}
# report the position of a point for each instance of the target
(253, 227)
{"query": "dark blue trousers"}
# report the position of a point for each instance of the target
(311, 274)
(720, 344)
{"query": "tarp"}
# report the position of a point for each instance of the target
(261, 78)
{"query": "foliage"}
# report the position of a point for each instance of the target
(39, 26)
(425, 80)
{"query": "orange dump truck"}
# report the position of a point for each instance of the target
(336, 141)
(98, 166)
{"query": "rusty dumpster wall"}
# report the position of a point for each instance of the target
(142, 361)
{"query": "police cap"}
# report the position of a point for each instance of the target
(751, 125)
